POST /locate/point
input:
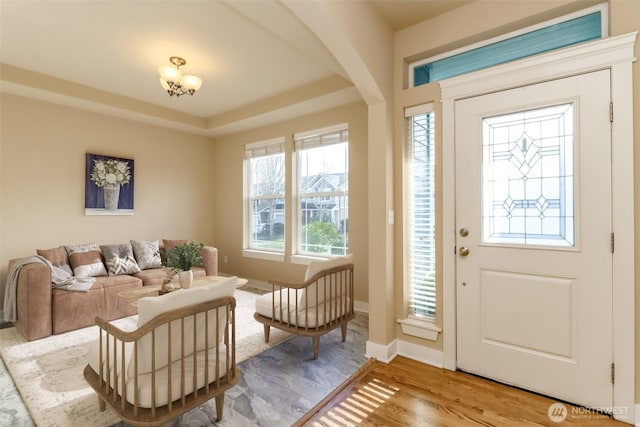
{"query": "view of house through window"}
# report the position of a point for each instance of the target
(266, 178)
(420, 197)
(323, 191)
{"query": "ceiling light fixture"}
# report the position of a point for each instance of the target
(174, 82)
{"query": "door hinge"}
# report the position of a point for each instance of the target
(611, 112)
(613, 373)
(613, 242)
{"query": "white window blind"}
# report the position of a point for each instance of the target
(264, 148)
(420, 196)
(326, 136)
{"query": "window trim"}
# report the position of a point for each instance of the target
(424, 327)
(305, 141)
(255, 150)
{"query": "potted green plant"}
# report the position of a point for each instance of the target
(182, 258)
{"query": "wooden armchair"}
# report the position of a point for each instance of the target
(181, 355)
(323, 302)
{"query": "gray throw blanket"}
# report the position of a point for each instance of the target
(60, 279)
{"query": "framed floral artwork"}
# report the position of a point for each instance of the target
(108, 185)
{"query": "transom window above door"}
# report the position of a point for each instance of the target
(578, 27)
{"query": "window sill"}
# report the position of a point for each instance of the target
(419, 328)
(264, 255)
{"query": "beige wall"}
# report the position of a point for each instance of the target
(230, 204)
(475, 22)
(43, 149)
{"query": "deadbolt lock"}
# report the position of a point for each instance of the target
(464, 232)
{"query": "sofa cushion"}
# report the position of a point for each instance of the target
(119, 259)
(314, 268)
(57, 257)
(72, 249)
(74, 310)
(151, 307)
(154, 276)
(87, 264)
(147, 253)
(157, 276)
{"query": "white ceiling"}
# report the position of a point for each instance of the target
(251, 55)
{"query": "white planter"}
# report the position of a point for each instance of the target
(186, 278)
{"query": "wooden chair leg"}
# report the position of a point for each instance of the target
(315, 342)
(219, 406)
(344, 331)
(102, 405)
(266, 333)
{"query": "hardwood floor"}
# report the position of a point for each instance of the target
(408, 393)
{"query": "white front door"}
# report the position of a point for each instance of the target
(533, 238)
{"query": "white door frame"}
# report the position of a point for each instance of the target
(616, 54)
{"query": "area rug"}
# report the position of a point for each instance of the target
(48, 372)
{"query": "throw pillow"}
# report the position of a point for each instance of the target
(151, 307)
(57, 257)
(147, 253)
(119, 259)
(87, 264)
(85, 247)
(314, 268)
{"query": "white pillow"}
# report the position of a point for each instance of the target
(151, 307)
(314, 268)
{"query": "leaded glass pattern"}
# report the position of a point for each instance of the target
(528, 177)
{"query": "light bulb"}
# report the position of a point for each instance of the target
(170, 74)
(190, 82)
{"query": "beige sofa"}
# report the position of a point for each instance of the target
(43, 310)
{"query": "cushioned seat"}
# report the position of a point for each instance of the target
(313, 308)
(326, 312)
(72, 310)
(156, 276)
(182, 337)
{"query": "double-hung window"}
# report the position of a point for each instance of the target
(266, 185)
(420, 196)
(322, 186)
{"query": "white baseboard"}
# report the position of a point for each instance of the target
(421, 353)
(384, 353)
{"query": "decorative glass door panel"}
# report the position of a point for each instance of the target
(528, 177)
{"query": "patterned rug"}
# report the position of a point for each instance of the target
(48, 372)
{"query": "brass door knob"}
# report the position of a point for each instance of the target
(463, 251)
